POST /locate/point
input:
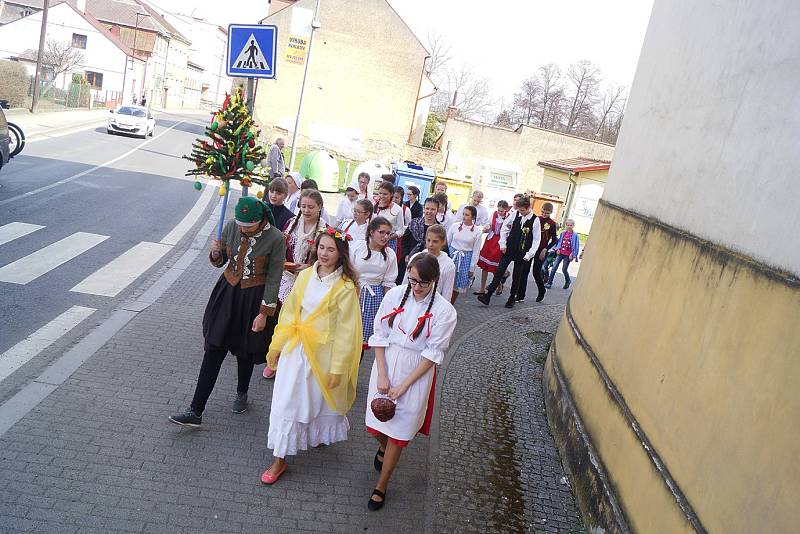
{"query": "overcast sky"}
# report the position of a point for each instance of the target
(505, 40)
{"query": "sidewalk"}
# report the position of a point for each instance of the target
(37, 125)
(98, 454)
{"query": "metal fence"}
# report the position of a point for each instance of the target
(74, 96)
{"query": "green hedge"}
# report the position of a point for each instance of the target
(14, 83)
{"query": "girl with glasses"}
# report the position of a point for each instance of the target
(435, 241)
(413, 328)
(376, 265)
(357, 226)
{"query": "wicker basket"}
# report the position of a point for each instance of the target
(383, 408)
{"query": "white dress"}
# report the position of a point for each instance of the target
(357, 231)
(404, 354)
(299, 417)
(375, 271)
(447, 274)
(464, 241)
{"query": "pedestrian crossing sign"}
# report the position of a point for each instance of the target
(251, 50)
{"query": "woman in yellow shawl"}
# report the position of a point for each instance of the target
(318, 341)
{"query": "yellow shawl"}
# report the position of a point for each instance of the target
(331, 337)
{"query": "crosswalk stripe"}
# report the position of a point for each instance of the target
(34, 265)
(115, 276)
(14, 230)
(25, 350)
(188, 221)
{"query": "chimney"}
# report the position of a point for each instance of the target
(452, 112)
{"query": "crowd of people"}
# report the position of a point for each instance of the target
(305, 293)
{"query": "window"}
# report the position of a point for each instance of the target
(95, 79)
(78, 41)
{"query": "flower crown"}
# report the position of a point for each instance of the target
(338, 234)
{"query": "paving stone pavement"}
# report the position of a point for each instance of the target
(98, 454)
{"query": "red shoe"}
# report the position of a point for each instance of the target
(268, 373)
(266, 478)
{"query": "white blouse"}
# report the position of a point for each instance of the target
(375, 271)
(447, 274)
(357, 231)
(442, 324)
(394, 214)
(344, 211)
(468, 238)
(483, 214)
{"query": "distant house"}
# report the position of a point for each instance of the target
(108, 64)
(365, 79)
(580, 181)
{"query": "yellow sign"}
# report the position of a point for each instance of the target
(297, 49)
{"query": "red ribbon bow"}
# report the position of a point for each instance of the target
(421, 321)
(394, 312)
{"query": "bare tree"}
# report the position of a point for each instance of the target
(467, 91)
(441, 55)
(61, 57)
(504, 119)
(550, 82)
(613, 99)
(585, 79)
(526, 100)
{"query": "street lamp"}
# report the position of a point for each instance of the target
(135, 35)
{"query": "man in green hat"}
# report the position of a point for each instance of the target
(242, 303)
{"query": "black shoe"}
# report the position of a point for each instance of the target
(566, 284)
(484, 299)
(520, 299)
(240, 404)
(187, 418)
(378, 463)
(376, 505)
(540, 296)
(510, 303)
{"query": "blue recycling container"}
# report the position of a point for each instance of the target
(417, 175)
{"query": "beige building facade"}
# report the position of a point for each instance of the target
(365, 76)
(672, 380)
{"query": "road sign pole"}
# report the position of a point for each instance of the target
(250, 91)
(314, 26)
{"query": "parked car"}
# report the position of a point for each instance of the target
(5, 153)
(134, 120)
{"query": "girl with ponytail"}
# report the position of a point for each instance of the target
(300, 235)
(413, 328)
(376, 265)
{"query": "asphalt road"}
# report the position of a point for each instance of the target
(120, 211)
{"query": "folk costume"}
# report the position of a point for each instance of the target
(247, 287)
(447, 273)
(319, 332)
(490, 253)
(465, 245)
(548, 238)
(282, 215)
(299, 244)
(394, 214)
(376, 275)
(520, 236)
(358, 232)
(403, 353)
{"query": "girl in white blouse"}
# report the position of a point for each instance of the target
(356, 227)
(413, 328)
(464, 239)
(386, 208)
(435, 241)
(376, 265)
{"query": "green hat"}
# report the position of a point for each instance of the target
(249, 211)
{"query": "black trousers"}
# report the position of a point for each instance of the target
(518, 280)
(539, 276)
(209, 371)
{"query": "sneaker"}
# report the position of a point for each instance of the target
(187, 418)
(509, 303)
(268, 373)
(484, 299)
(240, 404)
(520, 299)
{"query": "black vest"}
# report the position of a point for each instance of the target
(519, 240)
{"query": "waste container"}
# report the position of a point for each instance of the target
(416, 175)
(458, 190)
(323, 169)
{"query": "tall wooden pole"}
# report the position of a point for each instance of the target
(42, 36)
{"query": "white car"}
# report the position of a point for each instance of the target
(136, 120)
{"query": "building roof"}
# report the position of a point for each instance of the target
(123, 13)
(576, 165)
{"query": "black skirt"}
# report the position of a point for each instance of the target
(228, 321)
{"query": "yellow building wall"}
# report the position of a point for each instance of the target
(708, 364)
(363, 81)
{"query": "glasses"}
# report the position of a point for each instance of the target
(420, 283)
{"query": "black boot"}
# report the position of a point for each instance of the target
(510, 302)
(484, 299)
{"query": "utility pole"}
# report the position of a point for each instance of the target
(42, 36)
(314, 26)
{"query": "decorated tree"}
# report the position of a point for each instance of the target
(230, 150)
